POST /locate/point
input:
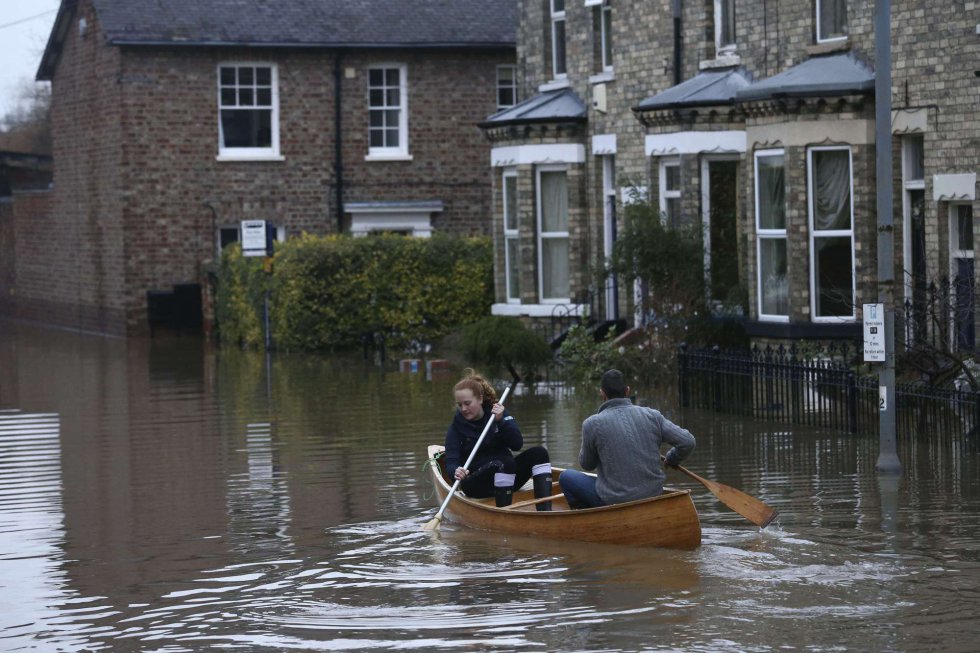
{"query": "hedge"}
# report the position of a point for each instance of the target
(330, 292)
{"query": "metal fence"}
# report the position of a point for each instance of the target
(818, 387)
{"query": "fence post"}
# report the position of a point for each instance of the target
(683, 376)
(716, 377)
(851, 402)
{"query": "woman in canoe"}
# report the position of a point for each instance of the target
(495, 471)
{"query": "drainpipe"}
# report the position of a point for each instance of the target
(675, 10)
(338, 143)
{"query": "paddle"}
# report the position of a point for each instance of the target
(433, 524)
(749, 507)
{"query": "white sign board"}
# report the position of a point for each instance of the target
(253, 238)
(874, 333)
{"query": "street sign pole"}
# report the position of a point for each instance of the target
(888, 462)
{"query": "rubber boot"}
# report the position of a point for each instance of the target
(542, 488)
(503, 495)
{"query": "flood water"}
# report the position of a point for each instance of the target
(167, 496)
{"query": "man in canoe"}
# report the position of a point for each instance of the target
(496, 472)
(621, 442)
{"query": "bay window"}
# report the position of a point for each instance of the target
(553, 236)
(830, 192)
(512, 259)
(771, 245)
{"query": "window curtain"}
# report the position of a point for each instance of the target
(832, 190)
(554, 250)
(554, 202)
(774, 280)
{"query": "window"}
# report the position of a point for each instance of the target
(558, 38)
(553, 240)
(770, 229)
(248, 105)
(831, 233)
(602, 31)
(914, 246)
(670, 191)
(724, 26)
(512, 257)
(831, 20)
(506, 86)
(962, 274)
(387, 112)
(609, 231)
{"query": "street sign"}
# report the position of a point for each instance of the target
(254, 241)
(874, 333)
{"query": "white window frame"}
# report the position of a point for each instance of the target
(543, 235)
(706, 162)
(820, 38)
(401, 152)
(767, 234)
(609, 230)
(667, 162)
(908, 186)
(957, 252)
(250, 153)
(724, 48)
(558, 17)
(503, 84)
(831, 233)
(605, 38)
(510, 235)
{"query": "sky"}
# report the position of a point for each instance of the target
(24, 29)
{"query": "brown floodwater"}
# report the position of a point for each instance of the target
(170, 496)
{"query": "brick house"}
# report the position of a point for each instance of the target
(175, 120)
(755, 120)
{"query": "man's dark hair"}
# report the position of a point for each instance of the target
(613, 384)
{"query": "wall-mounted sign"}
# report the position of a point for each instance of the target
(874, 333)
(254, 239)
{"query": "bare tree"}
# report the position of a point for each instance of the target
(27, 127)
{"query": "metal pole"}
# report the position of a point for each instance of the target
(888, 462)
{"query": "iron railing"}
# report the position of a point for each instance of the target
(818, 386)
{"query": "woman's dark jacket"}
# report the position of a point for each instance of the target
(503, 437)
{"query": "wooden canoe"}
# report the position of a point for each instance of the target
(669, 521)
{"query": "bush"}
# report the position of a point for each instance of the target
(584, 359)
(501, 342)
(331, 292)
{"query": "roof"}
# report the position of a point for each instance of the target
(552, 106)
(297, 23)
(836, 74)
(708, 88)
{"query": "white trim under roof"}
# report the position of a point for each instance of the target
(695, 142)
(910, 121)
(413, 217)
(515, 155)
(954, 188)
(537, 310)
(603, 144)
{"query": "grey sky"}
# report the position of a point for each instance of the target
(24, 29)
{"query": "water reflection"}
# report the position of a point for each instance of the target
(168, 496)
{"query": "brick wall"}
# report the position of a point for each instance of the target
(139, 192)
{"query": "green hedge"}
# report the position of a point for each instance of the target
(329, 292)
